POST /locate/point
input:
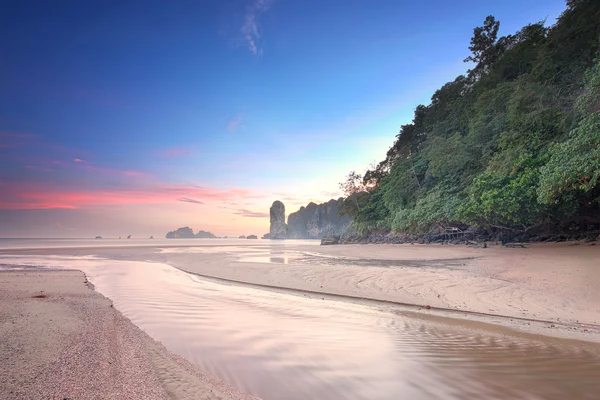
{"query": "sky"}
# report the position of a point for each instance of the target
(138, 117)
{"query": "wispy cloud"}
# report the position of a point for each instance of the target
(36, 168)
(234, 123)
(79, 160)
(251, 214)
(189, 200)
(251, 28)
(175, 152)
(44, 194)
(333, 195)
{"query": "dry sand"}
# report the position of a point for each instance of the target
(71, 343)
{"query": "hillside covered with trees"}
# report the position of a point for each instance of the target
(511, 146)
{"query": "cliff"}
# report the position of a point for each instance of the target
(314, 221)
(277, 218)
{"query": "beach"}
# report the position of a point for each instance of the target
(61, 339)
(553, 282)
(292, 319)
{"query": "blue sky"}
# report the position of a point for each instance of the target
(128, 107)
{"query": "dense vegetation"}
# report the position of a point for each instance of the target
(513, 145)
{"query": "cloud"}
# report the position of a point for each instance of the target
(45, 195)
(251, 214)
(35, 168)
(233, 124)
(79, 160)
(333, 195)
(175, 152)
(188, 200)
(251, 29)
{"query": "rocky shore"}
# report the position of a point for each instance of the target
(474, 237)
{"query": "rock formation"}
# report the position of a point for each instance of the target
(205, 235)
(278, 228)
(251, 237)
(187, 233)
(314, 221)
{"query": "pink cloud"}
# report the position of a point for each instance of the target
(234, 123)
(251, 214)
(79, 160)
(35, 168)
(175, 152)
(333, 195)
(40, 195)
(188, 200)
(105, 171)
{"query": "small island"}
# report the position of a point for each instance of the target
(251, 237)
(187, 233)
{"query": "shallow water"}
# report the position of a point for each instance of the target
(279, 345)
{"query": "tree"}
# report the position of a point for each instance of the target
(515, 144)
(353, 184)
(574, 164)
(486, 47)
(356, 194)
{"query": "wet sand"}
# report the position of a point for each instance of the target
(60, 339)
(295, 320)
(554, 284)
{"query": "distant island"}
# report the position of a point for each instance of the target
(187, 233)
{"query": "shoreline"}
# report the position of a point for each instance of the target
(563, 330)
(544, 289)
(62, 339)
(551, 285)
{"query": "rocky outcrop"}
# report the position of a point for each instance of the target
(205, 235)
(187, 233)
(277, 215)
(316, 221)
(330, 240)
(251, 237)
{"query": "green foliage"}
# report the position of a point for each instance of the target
(439, 207)
(574, 165)
(353, 204)
(448, 156)
(514, 143)
(374, 215)
(496, 199)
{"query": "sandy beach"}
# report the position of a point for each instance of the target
(289, 318)
(554, 283)
(60, 339)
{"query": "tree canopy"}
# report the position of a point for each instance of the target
(513, 144)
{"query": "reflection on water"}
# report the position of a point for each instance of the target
(283, 346)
